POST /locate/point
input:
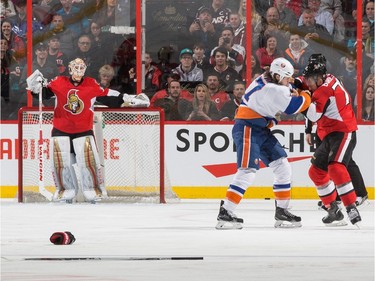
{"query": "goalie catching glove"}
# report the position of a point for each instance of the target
(35, 82)
(62, 238)
(140, 100)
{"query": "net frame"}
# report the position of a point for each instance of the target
(112, 197)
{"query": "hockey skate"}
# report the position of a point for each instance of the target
(227, 220)
(353, 215)
(285, 219)
(334, 217)
(322, 207)
(362, 201)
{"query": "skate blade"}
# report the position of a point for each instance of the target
(287, 224)
(224, 225)
(358, 225)
(336, 224)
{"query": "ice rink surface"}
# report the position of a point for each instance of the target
(119, 234)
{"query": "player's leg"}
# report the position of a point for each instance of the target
(274, 156)
(318, 173)
(247, 153)
(88, 168)
(341, 151)
(358, 182)
(62, 169)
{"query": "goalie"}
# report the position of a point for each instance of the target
(75, 154)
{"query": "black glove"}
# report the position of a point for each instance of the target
(62, 238)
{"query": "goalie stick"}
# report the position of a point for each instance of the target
(42, 190)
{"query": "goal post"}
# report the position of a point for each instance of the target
(131, 148)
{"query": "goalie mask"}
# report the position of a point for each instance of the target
(77, 68)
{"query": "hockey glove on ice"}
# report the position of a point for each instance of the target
(62, 238)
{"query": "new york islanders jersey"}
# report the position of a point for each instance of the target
(331, 108)
(263, 100)
(74, 104)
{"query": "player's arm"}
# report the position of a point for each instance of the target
(298, 102)
(36, 82)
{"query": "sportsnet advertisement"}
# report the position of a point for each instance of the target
(200, 160)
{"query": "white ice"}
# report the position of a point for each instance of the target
(118, 233)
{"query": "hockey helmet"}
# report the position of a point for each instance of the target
(282, 67)
(314, 68)
(318, 58)
(77, 67)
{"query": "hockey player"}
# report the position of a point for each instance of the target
(353, 169)
(336, 127)
(266, 96)
(74, 151)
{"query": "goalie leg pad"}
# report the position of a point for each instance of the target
(88, 164)
(62, 170)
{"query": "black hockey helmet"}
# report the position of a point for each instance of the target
(314, 68)
(318, 58)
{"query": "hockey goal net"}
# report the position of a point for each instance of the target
(131, 148)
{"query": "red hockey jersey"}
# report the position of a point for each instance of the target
(331, 108)
(74, 105)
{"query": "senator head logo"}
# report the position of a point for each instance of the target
(74, 105)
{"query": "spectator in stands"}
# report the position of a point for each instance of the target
(334, 7)
(73, 18)
(66, 36)
(173, 85)
(298, 53)
(188, 70)
(46, 67)
(108, 12)
(368, 103)
(5, 73)
(56, 55)
(7, 9)
(16, 45)
(369, 81)
(347, 73)
(316, 35)
(175, 106)
(322, 17)
(262, 6)
(272, 26)
(229, 109)
(203, 31)
(255, 17)
(165, 64)
(85, 53)
(204, 108)
(239, 29)
(367, 39)
(105, 78)
(102, 43)
(226, 74)
(370, 14)
(19, 22)
(267, 54)
(199, 57)
(236, 53)
(152, 77)
(220, 14)
(218, 96)
(256, 70)
(286, 15)
(296, 6)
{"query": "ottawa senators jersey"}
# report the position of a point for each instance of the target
(74, 104)
(331, 108)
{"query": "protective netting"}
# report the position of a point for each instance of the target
(129, 143)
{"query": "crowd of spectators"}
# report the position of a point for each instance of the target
(203, 76)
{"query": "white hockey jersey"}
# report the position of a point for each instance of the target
(264, 99)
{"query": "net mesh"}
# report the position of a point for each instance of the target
(129, 145)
